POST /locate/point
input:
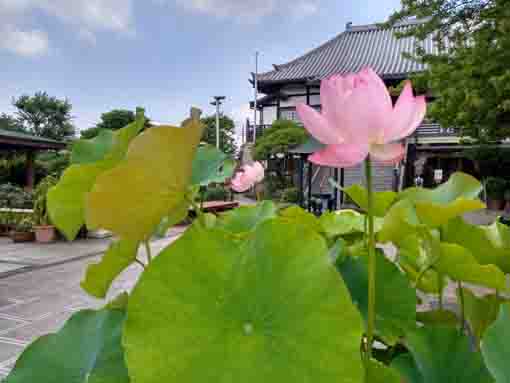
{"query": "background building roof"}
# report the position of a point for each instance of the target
(17, 140)
(353, 49)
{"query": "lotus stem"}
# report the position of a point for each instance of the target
(462, 307)
(148, 250)
(371, 260)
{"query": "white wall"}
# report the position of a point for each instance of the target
(269, 115)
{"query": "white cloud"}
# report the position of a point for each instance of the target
(87, 16)
(251, 9)
(24, 43)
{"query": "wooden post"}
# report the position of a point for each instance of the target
(30, 170)
(310, 175)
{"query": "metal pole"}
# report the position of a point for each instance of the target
(256, 86)
(217, 124)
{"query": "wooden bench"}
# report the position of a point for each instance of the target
(216, 207)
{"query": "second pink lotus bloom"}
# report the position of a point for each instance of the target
(358, 119)
(247, 177)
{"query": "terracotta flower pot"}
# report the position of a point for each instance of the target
(45, 234)
(22, 236)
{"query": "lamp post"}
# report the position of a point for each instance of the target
(217, 102)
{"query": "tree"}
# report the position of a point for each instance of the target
(114, 120)
(10, 123)
(469, 77)
(227, 133)
(279, 138)
(45, 116)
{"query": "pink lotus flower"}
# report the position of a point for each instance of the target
(358, 119)
(247, 177)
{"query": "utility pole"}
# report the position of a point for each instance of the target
(256, 92)
(217, 102)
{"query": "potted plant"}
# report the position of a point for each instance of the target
(23, 231)
(44, 231)
(495, 188)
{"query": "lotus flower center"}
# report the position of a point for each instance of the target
(248, 328)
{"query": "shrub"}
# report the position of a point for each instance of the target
(216, 193)
(495, 187)
(14, 197)
(40, 194)
(290, 195)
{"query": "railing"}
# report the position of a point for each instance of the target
(426, 130)
(249, 131)
(435, 130)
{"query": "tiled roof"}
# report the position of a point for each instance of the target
(24, 139)
(350, 51)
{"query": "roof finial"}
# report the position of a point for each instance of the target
(348, 25)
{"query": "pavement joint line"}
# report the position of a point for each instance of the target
(13, 341)
(33, 267)
(14, 318)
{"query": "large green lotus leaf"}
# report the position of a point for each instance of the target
(413, 258)
(405, 364)
(443, 354)
(400, 221)
(488, 244)
(246, 218)
(342, 222)
(453, 198)
(87, 349)
(85, 151)
(211, 165)
(459, 264)
(380, 373)
(268, 309)
(480, 312)
(299, 216)
(99, 276)
(66, 200)
(437, 317)
(132, 198)
(496, 346)
(382, 200)
(395, 299)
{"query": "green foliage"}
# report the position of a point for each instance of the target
(40, 200)
(66, 201)
(480, 312)
(44, 116)
(211, 165)
(132, 198)
(495, 187)
(113, 120)
(99, 276)
(24, 225)
(382, 200)
(246, 218)
(468, 76)
(290, 195)
(216, 193)
(253, 295)
(270, 308)
(14, 197)
(10, 123)
(90, 345)
(443, 354)
(449, 200)
(395, 299)
(282, 136)
(495, 346)
(227, 133)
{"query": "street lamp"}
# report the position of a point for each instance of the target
(217, 102)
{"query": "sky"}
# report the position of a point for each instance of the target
(164, 55)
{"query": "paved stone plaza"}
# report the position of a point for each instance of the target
(38, 300)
